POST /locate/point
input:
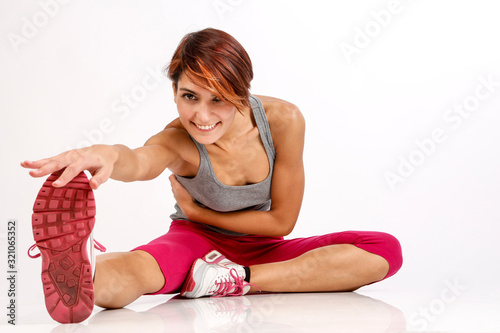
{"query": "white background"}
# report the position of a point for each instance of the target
(67, 66)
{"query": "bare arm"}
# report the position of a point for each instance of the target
(117, 162)
(288, 127)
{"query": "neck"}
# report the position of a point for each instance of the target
(242, 124)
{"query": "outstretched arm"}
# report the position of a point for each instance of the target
(117, 162)
(287, 189)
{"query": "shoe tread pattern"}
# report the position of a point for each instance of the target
(62, 221)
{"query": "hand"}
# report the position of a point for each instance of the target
(182, 196)
(98, 160)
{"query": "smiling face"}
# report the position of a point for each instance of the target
(203, 115)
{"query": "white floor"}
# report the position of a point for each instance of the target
(370, 310)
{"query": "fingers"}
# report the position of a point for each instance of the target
(44, 170)
(174, 183)
(40, 167)
(49, 165)
(100, 177)
(73, 162)
(95, 159)
(94, 183)
(67, 175)
(32, 164)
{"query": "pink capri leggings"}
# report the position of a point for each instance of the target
(187, 241)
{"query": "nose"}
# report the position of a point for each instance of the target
(203, 113)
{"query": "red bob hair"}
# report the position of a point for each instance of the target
(215, 61)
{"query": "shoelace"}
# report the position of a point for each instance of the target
(226, 287)
(97, 245)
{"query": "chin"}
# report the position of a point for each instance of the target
(204, 139)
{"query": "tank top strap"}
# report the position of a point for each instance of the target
(263, 125)
(205, 164)
(264, 131)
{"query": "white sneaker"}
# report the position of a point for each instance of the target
(215, 275)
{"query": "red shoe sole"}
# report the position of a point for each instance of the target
(62, 221)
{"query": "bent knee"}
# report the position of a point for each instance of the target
(389, 248)
(123, 277)
(395, 254)
(148, 272)
(380, 268)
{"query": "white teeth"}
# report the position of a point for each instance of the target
(206, 127)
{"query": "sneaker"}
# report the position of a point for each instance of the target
(215, 275)
(63, 219)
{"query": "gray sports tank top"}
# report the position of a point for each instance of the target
(207, 190)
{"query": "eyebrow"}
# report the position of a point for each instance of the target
(190, 91)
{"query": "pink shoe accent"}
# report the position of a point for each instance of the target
(227, 287)
(62, 221)
(189, 284)
(227, 281)
(98, 246)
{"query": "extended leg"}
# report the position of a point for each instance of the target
(121, 278)
(341, 261)
(341, 267)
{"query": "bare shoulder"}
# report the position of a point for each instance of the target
(279, 108)
(283, 117)
(175, 138)
(172, 133)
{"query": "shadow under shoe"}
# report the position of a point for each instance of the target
(62, 221)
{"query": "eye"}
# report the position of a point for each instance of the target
(189, 96)
(217, 100)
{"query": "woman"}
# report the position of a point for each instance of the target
(238, 180)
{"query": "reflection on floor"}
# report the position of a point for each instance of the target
(305, 312)
(314, 312)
